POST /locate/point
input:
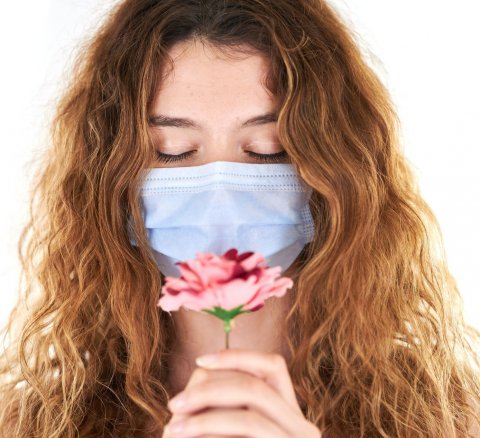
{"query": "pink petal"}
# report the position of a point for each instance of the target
(174, 285)
(278, 289)
(217, 274)
(190, 275)
(236, 292)
(250, 263)
(188, 300)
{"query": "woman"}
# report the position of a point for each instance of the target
(369, 342)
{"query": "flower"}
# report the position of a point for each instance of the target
(224, 286)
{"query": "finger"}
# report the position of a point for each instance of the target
(248, 391)
(200, 375)
(218, 436)
(270, 367)
(179, 416)
(228, 422)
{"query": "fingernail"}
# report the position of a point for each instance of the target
(207, 360)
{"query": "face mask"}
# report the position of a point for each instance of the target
(222, 205)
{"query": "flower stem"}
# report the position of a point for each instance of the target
(227, 327)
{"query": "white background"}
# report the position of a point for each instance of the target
(426, 52)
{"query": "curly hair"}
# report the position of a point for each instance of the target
(379, 346)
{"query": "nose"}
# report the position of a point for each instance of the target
(222, 153)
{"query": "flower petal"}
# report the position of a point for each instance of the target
(236, 292)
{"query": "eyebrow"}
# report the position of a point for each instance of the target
(161, 120)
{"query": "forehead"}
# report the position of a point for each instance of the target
(202, 73)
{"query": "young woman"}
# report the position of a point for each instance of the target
(371, 339)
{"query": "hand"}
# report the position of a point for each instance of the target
(245, 393)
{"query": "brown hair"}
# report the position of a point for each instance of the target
(376, 331)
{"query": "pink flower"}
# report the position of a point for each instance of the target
(232, 282)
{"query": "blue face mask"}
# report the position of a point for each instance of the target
(222, 205)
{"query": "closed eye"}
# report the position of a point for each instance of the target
(166, 158)
(279, 156)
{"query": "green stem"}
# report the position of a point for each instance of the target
(227, 328)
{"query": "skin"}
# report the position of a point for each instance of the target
(250, 394)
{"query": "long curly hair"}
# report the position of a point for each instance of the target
(379, 346)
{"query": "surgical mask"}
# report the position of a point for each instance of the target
(222, 205)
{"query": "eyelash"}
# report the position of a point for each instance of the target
(279, 156)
